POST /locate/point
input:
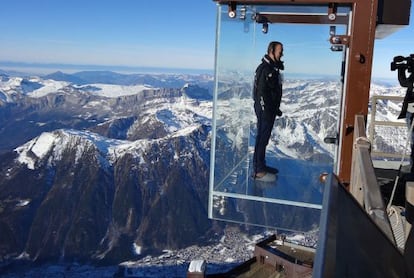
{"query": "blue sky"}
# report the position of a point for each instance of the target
(109, 32)
(162, 34)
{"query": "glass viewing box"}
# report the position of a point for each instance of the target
(303, 145)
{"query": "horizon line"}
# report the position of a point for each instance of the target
(40, 68)
(37, 67)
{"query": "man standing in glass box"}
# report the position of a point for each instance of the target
(267, 95)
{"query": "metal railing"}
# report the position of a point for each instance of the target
(375, 123)
(364, 186)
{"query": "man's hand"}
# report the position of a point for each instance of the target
(279, 113)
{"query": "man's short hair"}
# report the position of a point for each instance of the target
(272, 46)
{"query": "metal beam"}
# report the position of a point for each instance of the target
(357, 78)
(301, 18)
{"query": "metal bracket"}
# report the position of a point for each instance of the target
(332, 9)
(340, 39)
(232, 9)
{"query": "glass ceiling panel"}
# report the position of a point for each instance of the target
(312, 92)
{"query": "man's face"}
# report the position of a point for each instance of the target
(278, 53)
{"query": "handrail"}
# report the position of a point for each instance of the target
(364, 185)
(374, 123)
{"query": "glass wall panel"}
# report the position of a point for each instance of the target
(300, 146)
(232, 99)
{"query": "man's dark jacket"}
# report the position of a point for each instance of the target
(267, 89)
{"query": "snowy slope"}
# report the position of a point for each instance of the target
(114, 91)
(32, 87)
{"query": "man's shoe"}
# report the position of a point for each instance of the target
(271, 170)
(267, 177)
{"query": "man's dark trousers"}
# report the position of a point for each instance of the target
(264, 130)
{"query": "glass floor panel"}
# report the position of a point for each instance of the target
(297, 181)
(259, 213)
(292, 202)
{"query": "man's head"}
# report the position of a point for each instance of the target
(275, 50)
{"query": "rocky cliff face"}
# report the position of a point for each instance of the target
(83, 200)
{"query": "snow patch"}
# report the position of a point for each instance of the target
(43, 144)
(296, 238)
(136, 248)
(49, 86)
(35, 149)
(114, 91)
(23, 256)
(197, 266)
(23, 203)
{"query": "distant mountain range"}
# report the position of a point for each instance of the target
(35, 104)
(105, 166)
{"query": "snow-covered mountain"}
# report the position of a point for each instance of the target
(129, 161)
(109, 171)
(89, 197)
